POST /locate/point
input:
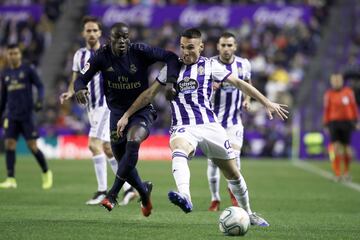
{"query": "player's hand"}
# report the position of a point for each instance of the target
(82, 96)
(170, 91)
(277, 108)
(66, 96)
(246, 105)
(38, 106)
(121, 124)
(216, 86)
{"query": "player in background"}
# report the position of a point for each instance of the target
(17, 81)
(193, 120)
(124, 68)
(227, 103)
(340, 118)
(98, 113)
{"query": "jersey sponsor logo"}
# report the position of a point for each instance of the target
(14, 85)
(124, 85)
(21, 75)
(188, 85)
(7, 78)
(85, 68)
(227, 87)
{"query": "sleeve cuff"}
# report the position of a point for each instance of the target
(160, 82)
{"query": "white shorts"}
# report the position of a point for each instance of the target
(99, 119)
(211, 138)
(236, 135)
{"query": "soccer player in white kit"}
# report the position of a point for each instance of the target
(227, 104)
(98, 113)
(194, 123)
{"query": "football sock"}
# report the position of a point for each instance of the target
(125, 168)
(41, 160)
(10, 162)
(113, 164)
(336, 165)
(128, 160)
(134, 180)
(240, 191)
(181, 172)
(126, 186)
(115, 189)
(331, 152)
(100, 171)
(213, 175)
(347, 161)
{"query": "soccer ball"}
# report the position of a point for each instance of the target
(234, 221)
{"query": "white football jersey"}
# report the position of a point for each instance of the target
(228, 99)
(192, 105)
(95, 86)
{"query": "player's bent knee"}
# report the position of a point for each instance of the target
(10, 144)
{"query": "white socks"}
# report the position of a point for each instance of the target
(240, 191)
(100, 171)
(181, 172)
(213, 175)
(114, 165)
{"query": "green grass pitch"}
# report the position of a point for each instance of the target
(297, 204)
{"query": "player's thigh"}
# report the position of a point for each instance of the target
(28, 129)
(236, 136)
(345, 133)
(99, 123)
(32, 145)
(335, 131)
(183, 139)
(214, 142)
(12, 130)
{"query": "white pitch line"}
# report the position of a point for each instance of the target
(325, 174)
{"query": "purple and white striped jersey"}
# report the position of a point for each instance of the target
(192, 105)
(228, 99)
(95, 86)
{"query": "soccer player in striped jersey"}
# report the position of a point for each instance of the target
(227, 104)
(124, 67)
(98, 113)
(194, 123)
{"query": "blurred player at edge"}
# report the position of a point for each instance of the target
(340, 118)
(124, 67)
(193, 120)
(17, 98)
(227, 104)
(98, 113)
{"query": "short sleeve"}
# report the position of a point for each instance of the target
(218, 71)
(247, 70)
(161, 78)
(76, 65)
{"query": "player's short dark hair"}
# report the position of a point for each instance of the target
(87, 19)
(191, 33)
(227, 35)
(12, 46)
(119, 25)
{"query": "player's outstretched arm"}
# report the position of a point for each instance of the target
(270, 106)
(70, 92)
(141, 101)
